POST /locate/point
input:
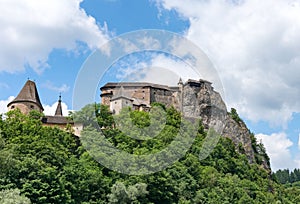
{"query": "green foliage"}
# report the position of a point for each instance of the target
(87, 115)
(49, 165)
(103, 115)
(260, 154)
(233, 113)
(132, 194)
(12, 196)
(286, 176)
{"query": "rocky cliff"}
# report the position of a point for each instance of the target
(199, 100)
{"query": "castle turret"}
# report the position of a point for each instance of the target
(180, 86)
(58, 111)
(27, 100)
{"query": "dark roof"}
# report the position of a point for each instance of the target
(118, 97)
(58, 111)
(198, 81)
(28, 93)
(59, 120)
(180, 81)
(133, 84)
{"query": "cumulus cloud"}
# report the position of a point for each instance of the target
(50, 109)
(3, 104)
(255, 48)
(154, 67)
(31, 29)
(277, 146)
(177, 67)
(49, 85)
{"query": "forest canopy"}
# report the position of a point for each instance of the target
(41, 164)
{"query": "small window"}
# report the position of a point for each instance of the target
(12, 107)
(31, 107)
(115, 102)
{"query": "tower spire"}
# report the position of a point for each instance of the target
(180, 81)
(58, 111)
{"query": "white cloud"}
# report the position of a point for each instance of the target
(51, 86)
(155, 68)
(50, 109)
(166, 70)
(31, 29)
(255, 48)
(277, 146)
(3, 104)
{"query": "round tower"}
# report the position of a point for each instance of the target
(27, 100)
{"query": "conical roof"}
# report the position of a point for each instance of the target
(180, 81)
(58, 111)
(28, 93)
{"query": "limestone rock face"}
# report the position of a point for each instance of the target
(239, 134)
(199, 100)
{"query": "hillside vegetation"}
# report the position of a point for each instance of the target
(48, 165)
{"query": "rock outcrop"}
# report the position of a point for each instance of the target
(199, 100)
(195, 99)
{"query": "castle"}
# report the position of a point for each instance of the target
(140, 95)
(194, 99)
(28, 99)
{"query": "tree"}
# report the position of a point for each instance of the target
(131, 194)
(49, 165)
(12, 196)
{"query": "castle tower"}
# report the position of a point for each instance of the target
(27, 100)
(119, 101)
(58, 111)
(180, 86)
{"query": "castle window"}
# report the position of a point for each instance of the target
(115, 102)
(31, 107)
(12, 107)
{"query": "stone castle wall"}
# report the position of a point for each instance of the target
(164, 96)
(140, 93)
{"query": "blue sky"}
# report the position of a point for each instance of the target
(253, 45)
